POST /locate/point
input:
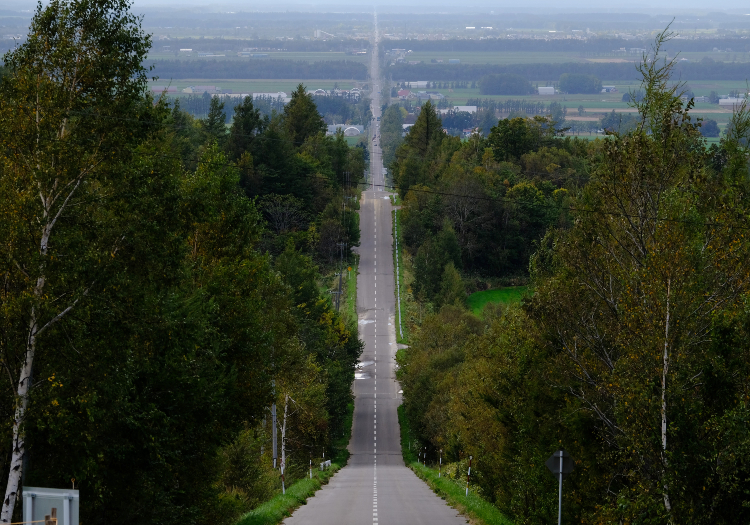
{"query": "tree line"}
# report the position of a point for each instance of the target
(630, 351)
(704, 70)
(334, 110)
(512, 105)
(260, 69)
(589, 45)
(163, 282)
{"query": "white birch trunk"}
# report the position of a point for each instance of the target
(18, 449)
(23, 390)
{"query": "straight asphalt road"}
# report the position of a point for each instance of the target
(375, 487)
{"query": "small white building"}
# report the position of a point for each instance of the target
(547, 90)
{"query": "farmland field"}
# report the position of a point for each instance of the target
(272, 55)
(540, 57)
(596, 105)
(255, 85)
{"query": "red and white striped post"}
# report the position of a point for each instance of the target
(468, 475)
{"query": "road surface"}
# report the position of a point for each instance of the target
(375, 487)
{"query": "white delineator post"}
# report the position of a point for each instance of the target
(468, 475)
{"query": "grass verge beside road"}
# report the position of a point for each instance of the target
(281, 506)
(475, 508)
(350, 291)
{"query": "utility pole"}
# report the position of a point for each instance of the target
(335, 297)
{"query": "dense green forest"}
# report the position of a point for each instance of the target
(163, 281)
(260, 68)
(632, 350)
(479, 205)
(706, 69)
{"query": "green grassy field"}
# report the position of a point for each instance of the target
(507, 295)
(480, 511)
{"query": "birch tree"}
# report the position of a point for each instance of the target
(69, 113)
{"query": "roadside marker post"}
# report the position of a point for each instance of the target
(440, 464)
(468, 475)
(560, 464)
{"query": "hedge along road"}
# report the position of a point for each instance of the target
(375, 487)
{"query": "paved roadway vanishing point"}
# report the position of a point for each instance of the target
(375, 487)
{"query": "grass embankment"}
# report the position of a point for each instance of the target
(282, 505)
(402, 329)
(478, 510)
(506, 295)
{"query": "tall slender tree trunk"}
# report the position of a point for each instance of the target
(665, 371)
